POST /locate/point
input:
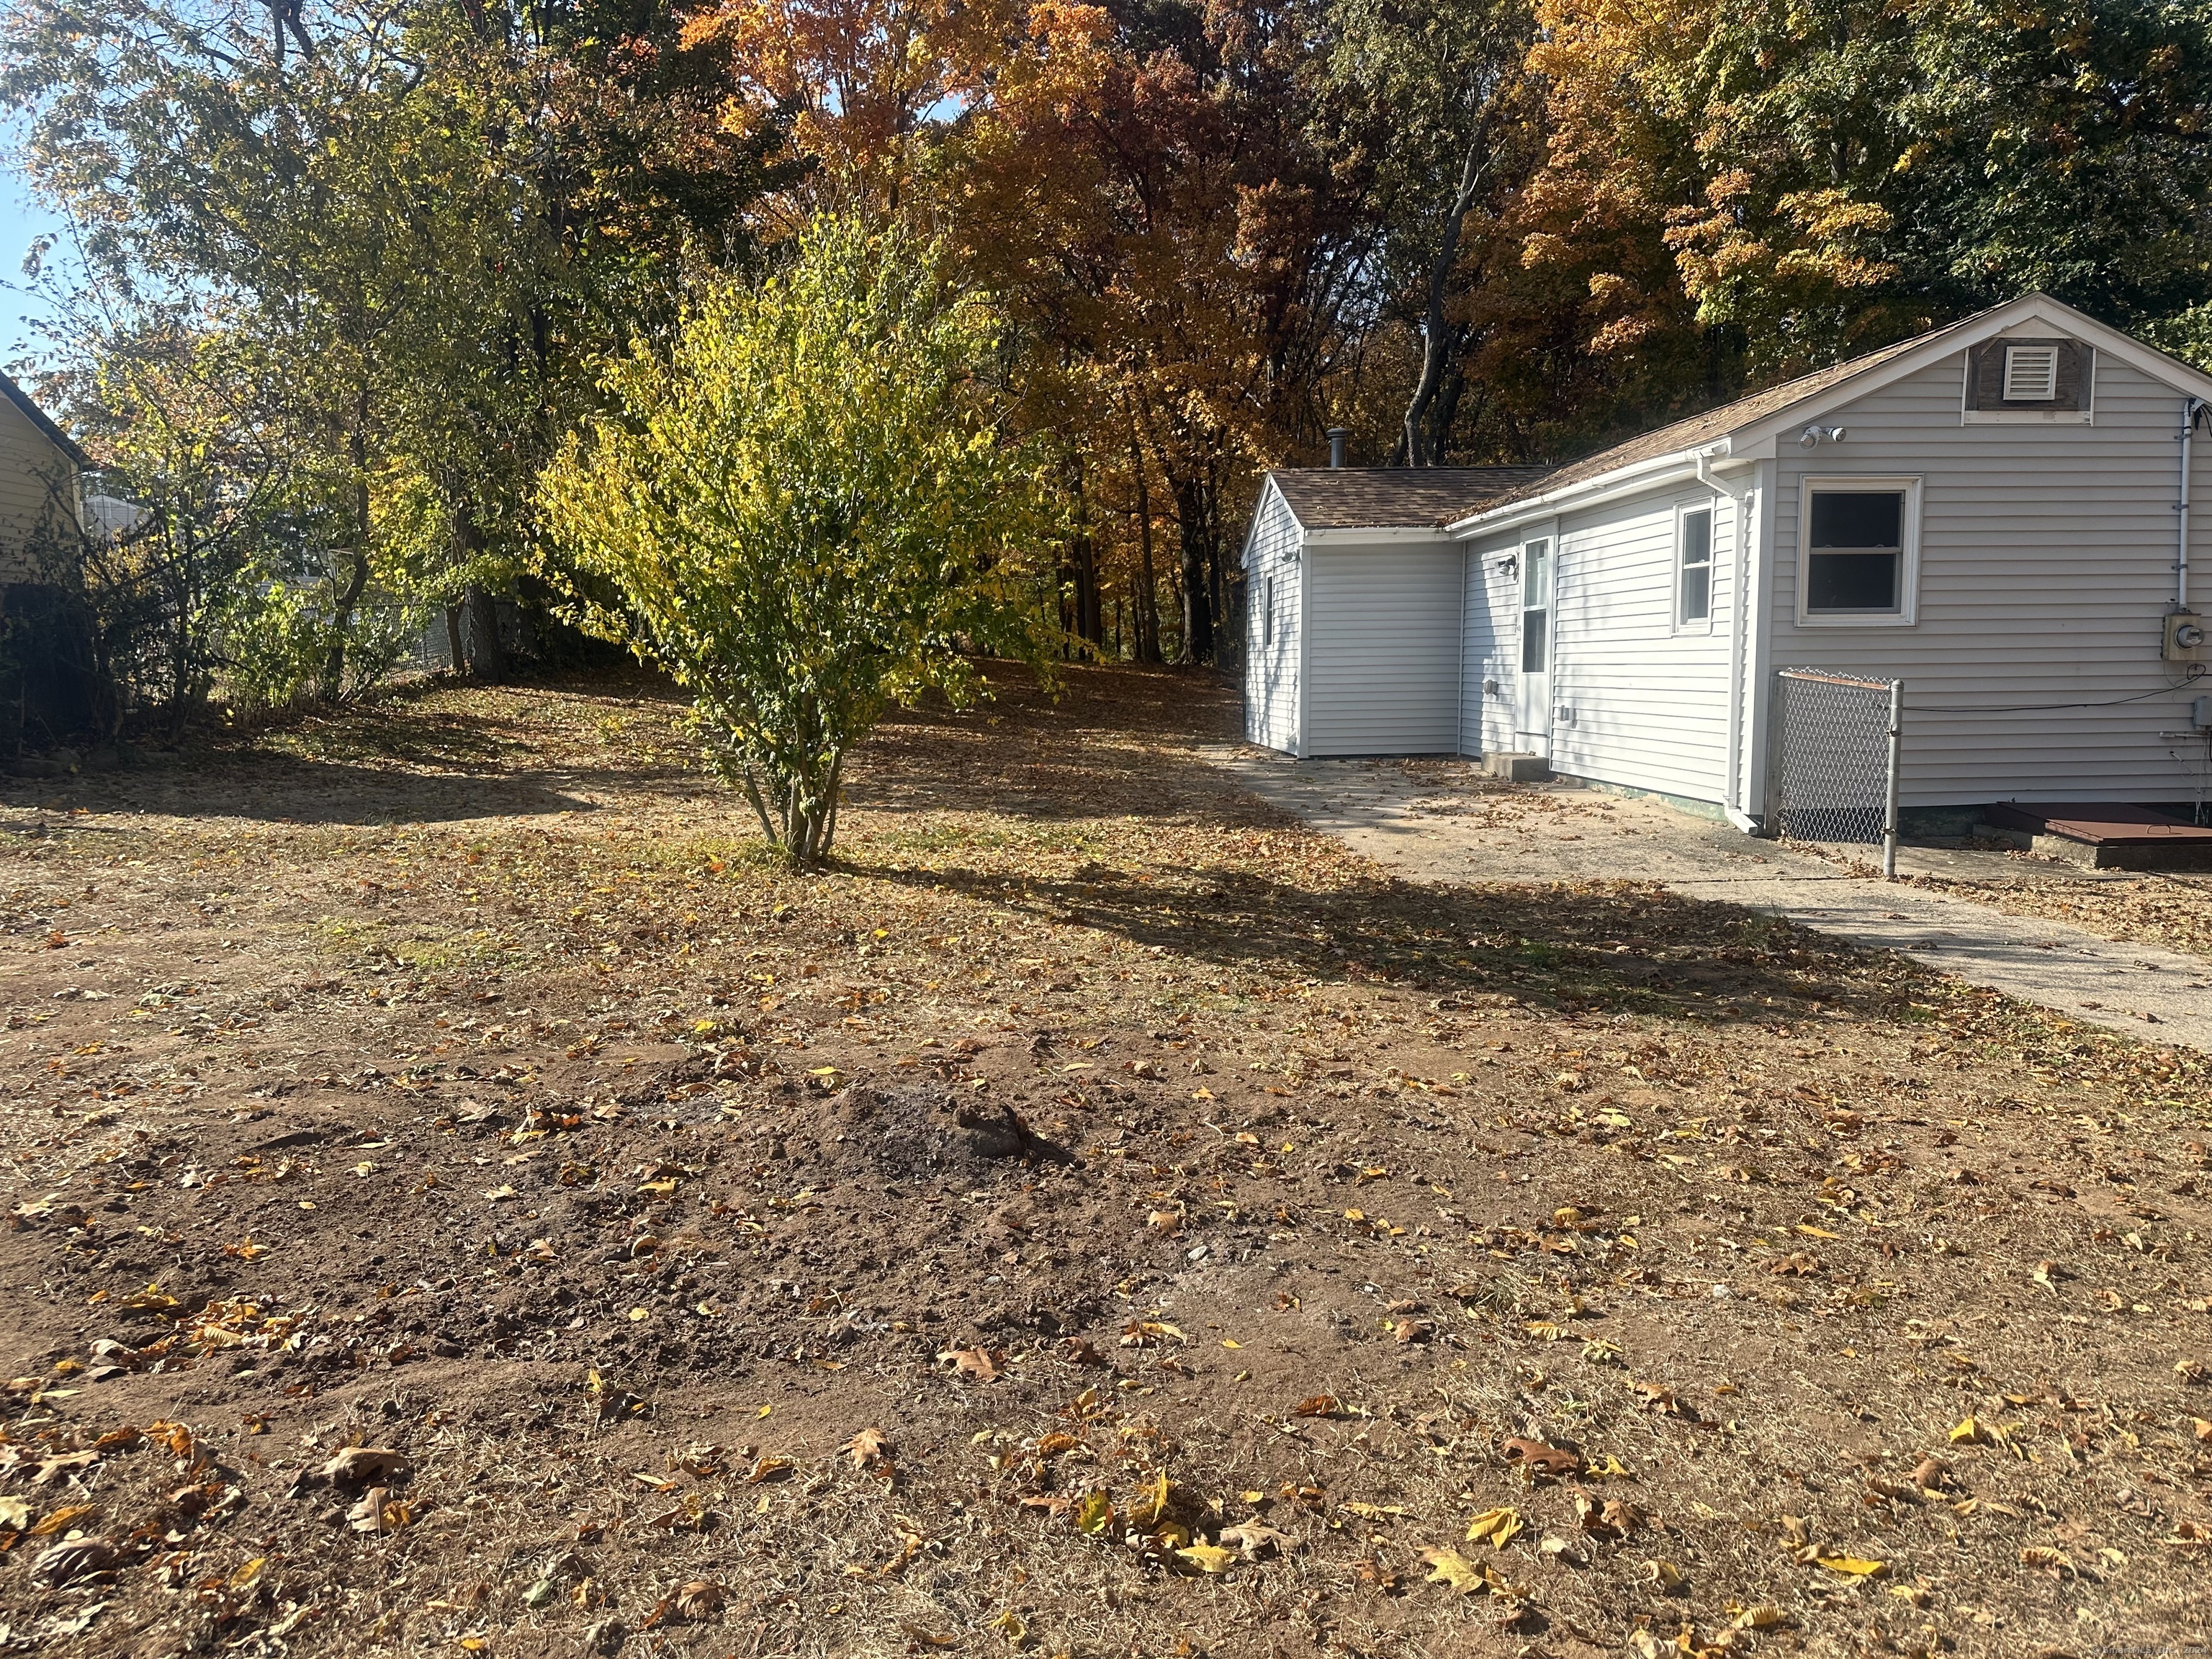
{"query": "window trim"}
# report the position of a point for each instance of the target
(1908, 579)
(1710, 506)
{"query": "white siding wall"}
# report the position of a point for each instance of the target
(1270, 635)
(1492, 650)
(2045, 568)
(29, 466)
(1381, 649)
(1650, 700)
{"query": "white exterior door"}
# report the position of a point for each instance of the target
(1533, 689)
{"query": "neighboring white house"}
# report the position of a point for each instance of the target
(1995, 513)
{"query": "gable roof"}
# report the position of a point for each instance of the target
(1694, 430)
(38, 418)
(1396, 497)
(1760, 416)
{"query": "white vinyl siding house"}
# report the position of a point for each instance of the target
(1986, 512)
(1272, 590)
(2046, 561)
(1383, 639)
(1632, 687)
(1353, 640)
(1490, 648)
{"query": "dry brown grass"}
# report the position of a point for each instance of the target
(581, 1155)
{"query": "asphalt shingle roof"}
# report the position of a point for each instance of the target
(1377, 498)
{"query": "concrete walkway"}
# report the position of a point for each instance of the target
(1438, 821)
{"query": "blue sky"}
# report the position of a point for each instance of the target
(20, 221)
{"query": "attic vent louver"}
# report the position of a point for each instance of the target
(2030, 374)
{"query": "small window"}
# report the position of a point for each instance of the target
(1855, 552)
(1695, 600)
(1266, 610)
(1535, 606)
(2030, 374)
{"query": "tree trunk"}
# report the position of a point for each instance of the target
(799, 816)
(487, 656)
(1147, 619)
(1087, 622)
(357, 578)
(478, 651)
(342, 618)
(456, 653)
(1090, 615)
(1440, 339)
(178, 544)
(1195, 526)
(1445, 409)
(1217, 573)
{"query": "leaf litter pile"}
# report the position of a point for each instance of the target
(463, 1199)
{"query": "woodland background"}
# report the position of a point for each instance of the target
(346, 274)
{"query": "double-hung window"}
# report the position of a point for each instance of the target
(1693, 591)
(1536, 607)
(1858, 557)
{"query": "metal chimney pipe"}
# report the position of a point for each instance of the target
(1337, 437)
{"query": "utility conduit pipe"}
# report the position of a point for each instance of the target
(2181, 510)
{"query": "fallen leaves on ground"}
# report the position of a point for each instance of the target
(652, 1073)
(1538, 1458)
(984, 1364)
(1447, 1566)
(374, 1464)
(1496, 1528)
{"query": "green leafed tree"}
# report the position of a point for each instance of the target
(1427, 100)
(805, 512)
(1832, 175)
(403, 231)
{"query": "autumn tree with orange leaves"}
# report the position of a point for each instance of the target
(1469, 231)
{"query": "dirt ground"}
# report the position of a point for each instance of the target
(464, 1200)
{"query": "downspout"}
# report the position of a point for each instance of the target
(1466, 562)
(1739, 616)
(1305, 659)
(2192, 410)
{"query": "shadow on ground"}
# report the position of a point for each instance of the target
(1614, 949)
(403, 758)
(277, 788)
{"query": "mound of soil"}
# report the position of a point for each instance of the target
(914, 1133)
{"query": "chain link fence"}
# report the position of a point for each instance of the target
(1838, 744)
(418, 635)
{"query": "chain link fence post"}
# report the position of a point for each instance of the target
(1889, 793)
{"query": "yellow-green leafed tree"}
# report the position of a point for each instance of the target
(806, 511)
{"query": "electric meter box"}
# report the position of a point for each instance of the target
(2186, 637)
